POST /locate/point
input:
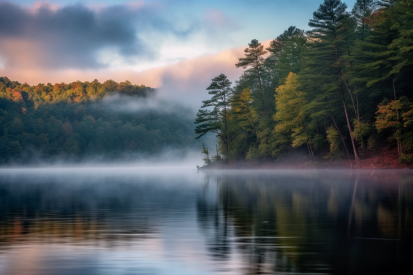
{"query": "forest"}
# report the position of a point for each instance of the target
(340, 90)
(73, 122)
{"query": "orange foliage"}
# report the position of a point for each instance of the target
(389, 115)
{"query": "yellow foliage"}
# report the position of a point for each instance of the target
(290, 103)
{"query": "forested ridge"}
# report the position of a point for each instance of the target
(341, 89)
(72, 121)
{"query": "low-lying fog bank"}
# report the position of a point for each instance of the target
(168, 158)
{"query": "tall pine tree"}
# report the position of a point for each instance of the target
(254, 60)
(325, 59)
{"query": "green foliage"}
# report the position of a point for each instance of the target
(286, 52)
(322, 91)
(216, 120)
(361, 12)
(362, 132)
(70, 120)
(205, 152)
(255, 61)
(406, 159)
(333, 139)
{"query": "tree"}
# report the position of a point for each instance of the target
(290, 114)
(244, 113)
(206, 159)
(403, 43)
(395, 116)
(216, 120)
(329, 44)
(361, 12)
(286, 52)
(375, 60)
(255, 60)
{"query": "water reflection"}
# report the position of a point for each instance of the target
(335, 222)
(139, 221)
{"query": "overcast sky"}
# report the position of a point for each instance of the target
(174, 45)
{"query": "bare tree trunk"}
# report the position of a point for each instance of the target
(352, 99)
(309, 151)
(341, 136)
(259, 83)
(394, 89)
(339, 71)
(226, 127)
(312, 151)
(356, 157)
(357, 102)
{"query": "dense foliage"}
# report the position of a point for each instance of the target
(341, 89)
(74, 121)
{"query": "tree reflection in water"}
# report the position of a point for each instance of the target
(340, 222)
(259, 222)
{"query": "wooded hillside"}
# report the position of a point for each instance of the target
(71, 121)
(341, 89)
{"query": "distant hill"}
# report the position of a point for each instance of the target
(74, 121)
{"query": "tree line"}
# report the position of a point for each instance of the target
(340, 89)
(71, 121)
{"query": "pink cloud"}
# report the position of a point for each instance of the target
(187, 79)
(43, 4)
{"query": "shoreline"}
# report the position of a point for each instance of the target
(384, 159)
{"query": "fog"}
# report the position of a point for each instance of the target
(119, 130)
(167, 158)
(155, 103)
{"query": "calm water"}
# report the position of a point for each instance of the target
(179, 221)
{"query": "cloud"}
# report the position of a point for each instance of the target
(184, 82)
(215, 18)
(51, 37)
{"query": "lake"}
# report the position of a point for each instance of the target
(181, 221)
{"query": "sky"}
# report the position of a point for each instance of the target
(177, 46)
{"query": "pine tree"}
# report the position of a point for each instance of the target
(325, 59)
(374, 59)
(361, 12)
(254, 59)
(403, 44)
(216, 120)
(286, 52)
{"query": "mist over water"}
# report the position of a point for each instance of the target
(140, 220)
(167, 158)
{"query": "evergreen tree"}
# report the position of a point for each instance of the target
(329, 45)
(403, 44)
(286, 52)
(361, 12)
(216, 120)
(254, 59)
(374, 59)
